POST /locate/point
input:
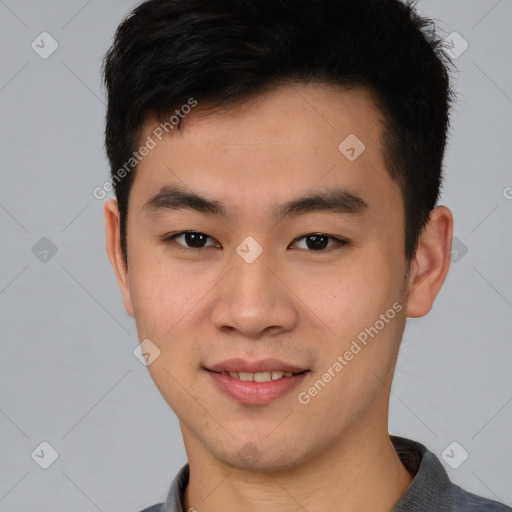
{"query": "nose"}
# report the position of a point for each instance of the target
(253, 301)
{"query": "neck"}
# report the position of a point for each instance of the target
(360, 472)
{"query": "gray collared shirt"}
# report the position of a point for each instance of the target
(430, 491)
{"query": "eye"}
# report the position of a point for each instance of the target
(192, 240)
(318, 242)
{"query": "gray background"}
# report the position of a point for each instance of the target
(68, 373)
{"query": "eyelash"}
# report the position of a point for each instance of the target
(171, 239)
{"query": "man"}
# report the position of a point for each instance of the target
(277, 165)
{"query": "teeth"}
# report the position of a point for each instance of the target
(258, 377)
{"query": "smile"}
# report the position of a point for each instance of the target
(258, 388)
(258, 377)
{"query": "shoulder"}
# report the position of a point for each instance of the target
(473, 503)
(431, 489)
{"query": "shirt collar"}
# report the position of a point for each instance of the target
(431, 489)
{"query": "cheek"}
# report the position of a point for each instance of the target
(349, 296)
(350, 304)
(150, 297)
(161, 293)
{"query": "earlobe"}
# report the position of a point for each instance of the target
(115, 253)
(431, 263)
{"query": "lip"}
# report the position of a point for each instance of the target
(256, 393)
(265, 365)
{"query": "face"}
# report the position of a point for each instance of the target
(254, 235)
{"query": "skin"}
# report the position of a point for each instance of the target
(302, 306)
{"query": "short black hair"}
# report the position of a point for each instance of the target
(223, 52)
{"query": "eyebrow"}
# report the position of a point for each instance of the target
(334, 200)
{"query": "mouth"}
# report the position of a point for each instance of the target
(260, 376)
(256, 383)
(264, 366)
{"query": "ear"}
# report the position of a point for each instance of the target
(430, 265)
(115, 254)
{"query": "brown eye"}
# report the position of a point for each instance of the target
(317, 242)
(193, 240)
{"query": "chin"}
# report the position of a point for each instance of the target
(252, 456)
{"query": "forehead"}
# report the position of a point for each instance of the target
(281, 143)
